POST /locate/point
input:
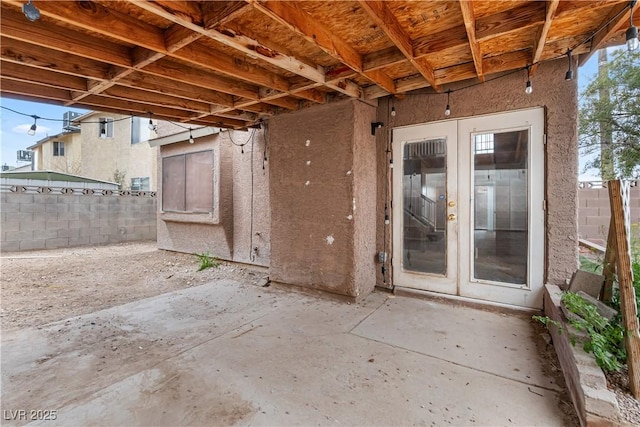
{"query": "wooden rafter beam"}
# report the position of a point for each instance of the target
(293, 17)
(604, 34)
(387, 22)
(253, 48)
(469, 18)
(541, 40)
(216, 13)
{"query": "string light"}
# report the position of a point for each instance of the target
(152, 127)
(191, 140)
(34, 127)
(528, 88)
(569, 75)
(447, 111)
(632, 31)
(393, 111)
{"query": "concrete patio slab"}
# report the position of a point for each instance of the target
(227, 353)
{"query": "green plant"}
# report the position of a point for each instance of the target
(605, 337)
(206, 261)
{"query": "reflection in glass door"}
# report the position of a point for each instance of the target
(500, 207)
(424, 206)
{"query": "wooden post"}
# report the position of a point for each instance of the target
(617, 198)
(609, 266)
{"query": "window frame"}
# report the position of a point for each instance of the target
(58, 148)
(210, 217)
(142, 180)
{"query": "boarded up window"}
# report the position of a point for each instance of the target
(187, 182)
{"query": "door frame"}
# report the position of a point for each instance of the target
(529, 295)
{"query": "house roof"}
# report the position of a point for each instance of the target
(50, 138)
(50, 176)
(229, 63)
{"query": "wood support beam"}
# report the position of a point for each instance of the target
(541, 40)
(469, 18)
(387, 22)
(602, 36)
(530, 14)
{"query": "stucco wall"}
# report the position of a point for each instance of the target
(236, 235)
(505, 94)
(322, 198)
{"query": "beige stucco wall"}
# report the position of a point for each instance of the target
(322, 198)
(69, 163)
(236, 235)
(102, 157)
(551, 91)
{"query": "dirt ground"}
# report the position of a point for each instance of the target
(39, 287)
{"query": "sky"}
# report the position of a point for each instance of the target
(14, 127)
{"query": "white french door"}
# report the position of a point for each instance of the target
(468, 215)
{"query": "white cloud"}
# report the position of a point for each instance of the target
(25, 128)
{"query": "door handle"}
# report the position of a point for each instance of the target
(452, 217)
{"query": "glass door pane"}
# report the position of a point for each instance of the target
(424, 206)
(500, 209)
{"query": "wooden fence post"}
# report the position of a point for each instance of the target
(619, 199)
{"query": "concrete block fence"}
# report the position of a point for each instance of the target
(47, 221)
(594, 212)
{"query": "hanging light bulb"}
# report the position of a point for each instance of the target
(34, 127)
(151, 125)
(191, 140)
(569, 75)
(393, 111)
(447, 111)
(528, 88)
(632, 31)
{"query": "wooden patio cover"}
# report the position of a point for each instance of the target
(229, 63)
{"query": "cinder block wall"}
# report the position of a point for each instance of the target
(47, 221)
(594, 212)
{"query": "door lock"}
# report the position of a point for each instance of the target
(452, 217)
(452, 204)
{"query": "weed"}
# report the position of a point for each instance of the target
(206, 261)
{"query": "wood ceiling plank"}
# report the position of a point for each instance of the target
(176, 37)
(45, 34)
(19, 52)
(442, 40)
(135, 107)
(602, 36)
(178, 72)
(387, 22)
(99, 19)
(186, 9)
(291, 16)
(33, 90)
(160, 85)
(42, 76)
(552, 7)
(528, 15)
(507, 61)
(156, 99)
(216, 13)
(252, 48)
(234, 68)
(287, 103)
(470, 24)
(383, 58)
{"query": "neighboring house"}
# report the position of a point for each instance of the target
(102, 146)
(60, 153)
(480, 204)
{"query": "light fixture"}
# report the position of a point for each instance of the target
(528, 88)
(31, 11)
(632, 31)
(393, 111)
(374, 126)
(152, 127)
(569, 75)
(447, 111)
(32, 129)
(191, 140)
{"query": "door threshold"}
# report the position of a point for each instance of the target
(466, 301)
